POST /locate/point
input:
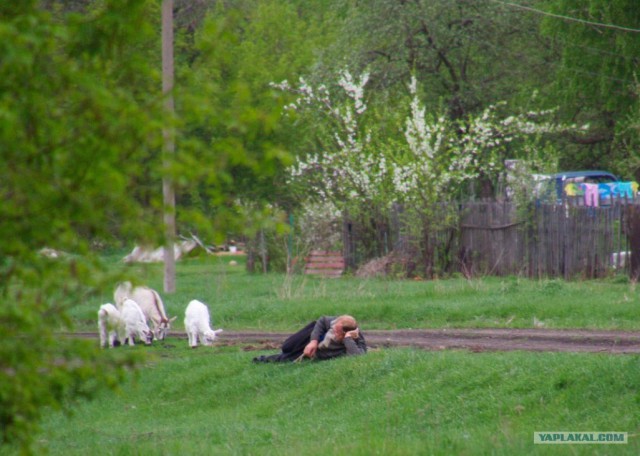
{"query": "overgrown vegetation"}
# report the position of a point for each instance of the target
(80, 161)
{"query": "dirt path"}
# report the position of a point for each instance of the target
(476, 340)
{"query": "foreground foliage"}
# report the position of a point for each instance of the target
(80, 168)
(72, 134)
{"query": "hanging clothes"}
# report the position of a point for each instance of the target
(625, 190)
(591, 195)
(571, 189)
(605, 190)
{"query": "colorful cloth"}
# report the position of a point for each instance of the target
(605, 190)
(572, 189)
(625, 190)
(591, 195)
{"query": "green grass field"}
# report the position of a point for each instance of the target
(238, 300)
(214, 400)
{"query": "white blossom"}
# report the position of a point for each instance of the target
(437, 155)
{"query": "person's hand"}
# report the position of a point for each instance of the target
(310, 349)
(353, 334)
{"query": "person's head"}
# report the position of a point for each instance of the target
(343, 324)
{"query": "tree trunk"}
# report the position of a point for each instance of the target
(263, 253)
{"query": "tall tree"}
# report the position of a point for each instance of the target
(599, 41)
(230, 115)
(468, 53)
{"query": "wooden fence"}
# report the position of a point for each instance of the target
(548, 241)
(565, 240)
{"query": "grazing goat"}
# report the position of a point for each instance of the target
(135, 323)
(196, 324)
(151, 304)
(111, 325)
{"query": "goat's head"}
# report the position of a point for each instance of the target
(163, 328)
(147, 337)
(210, 337)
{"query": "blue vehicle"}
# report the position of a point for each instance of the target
(552, 186)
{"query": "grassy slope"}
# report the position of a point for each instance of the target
(389, 402)
(396, 401)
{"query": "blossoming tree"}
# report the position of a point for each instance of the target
(429, 160)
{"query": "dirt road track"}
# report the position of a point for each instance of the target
(476, 340)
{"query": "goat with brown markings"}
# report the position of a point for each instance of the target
(151, 304)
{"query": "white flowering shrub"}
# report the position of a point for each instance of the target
(348, 169)
(435, 157)
(319, 226)
(427, 160)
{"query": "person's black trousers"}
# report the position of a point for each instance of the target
(292, 348)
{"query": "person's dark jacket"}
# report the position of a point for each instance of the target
(334, 349)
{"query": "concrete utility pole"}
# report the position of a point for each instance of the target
(169, 150)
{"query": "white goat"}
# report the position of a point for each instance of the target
(135, 323)
(151, 304)
(111, 325)
(196, 324)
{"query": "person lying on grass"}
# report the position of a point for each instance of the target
(325, 338)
